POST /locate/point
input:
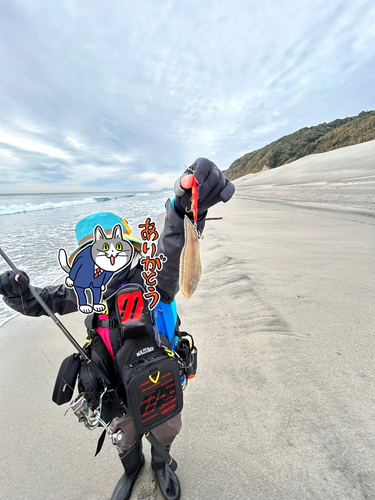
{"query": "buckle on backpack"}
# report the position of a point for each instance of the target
(107, 323)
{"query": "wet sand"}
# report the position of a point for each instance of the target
(282, 406)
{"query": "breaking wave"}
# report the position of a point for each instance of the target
(48, 205)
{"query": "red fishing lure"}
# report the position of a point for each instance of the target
(194, 198)
(190, 182)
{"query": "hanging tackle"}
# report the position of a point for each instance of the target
(190, 260)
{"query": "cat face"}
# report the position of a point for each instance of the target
(111, 253)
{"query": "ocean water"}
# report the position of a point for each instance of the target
(34, 226)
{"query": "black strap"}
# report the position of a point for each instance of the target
(100, 442)
(89, 323)
(161, 451)
(108, 323)
(115, 339)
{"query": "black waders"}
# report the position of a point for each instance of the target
(168, 481)
(133, 463)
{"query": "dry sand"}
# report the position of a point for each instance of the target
(282, 406)
(344, 178)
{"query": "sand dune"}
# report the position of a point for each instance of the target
(344, 177)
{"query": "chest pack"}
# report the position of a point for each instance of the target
(149, 372)
(151, 377)
(145, 376)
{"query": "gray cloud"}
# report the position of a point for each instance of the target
(120, 90)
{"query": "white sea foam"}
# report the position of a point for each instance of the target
(142, 194)
(31, 207)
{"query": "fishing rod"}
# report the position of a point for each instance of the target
(71, 339)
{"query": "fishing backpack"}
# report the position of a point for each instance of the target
(145, 375)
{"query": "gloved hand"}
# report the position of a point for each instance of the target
(213, 188)
(14, 284)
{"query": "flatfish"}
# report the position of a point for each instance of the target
(190, 260)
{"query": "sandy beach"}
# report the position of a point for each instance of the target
(282, 406)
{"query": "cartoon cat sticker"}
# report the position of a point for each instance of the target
(94, 266)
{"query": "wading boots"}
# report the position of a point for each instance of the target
(133, 463)
(168, 481)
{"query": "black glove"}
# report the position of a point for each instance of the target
(11, 288)
(213, 188)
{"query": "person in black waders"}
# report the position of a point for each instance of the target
(213, 188)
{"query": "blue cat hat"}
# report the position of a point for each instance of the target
(107, 220)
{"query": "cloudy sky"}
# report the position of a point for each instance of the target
(120, 95)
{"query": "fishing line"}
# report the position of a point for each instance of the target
(20, 289)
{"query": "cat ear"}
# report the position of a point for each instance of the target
(99, 233)
(117, 232)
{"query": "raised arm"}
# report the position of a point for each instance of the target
(213, 188)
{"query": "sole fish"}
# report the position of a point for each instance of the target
(190, 260)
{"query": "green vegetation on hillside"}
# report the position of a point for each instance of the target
(307, 141)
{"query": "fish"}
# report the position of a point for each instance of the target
(190, 260)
